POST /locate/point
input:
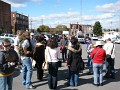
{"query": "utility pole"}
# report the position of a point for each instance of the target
(80, 11)
(31, 23)
(119, 24)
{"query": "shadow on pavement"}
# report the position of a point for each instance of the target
(117, 77)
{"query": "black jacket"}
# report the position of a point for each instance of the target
(74, 59)
(5, 58)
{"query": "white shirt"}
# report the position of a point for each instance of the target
(51, 55)
(110, 50)
(16, 43)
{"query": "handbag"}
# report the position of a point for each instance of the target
(45, 66)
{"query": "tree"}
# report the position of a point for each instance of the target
(97, 29)
(43, 28)
(61, 28)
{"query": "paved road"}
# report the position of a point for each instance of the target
(85, 81)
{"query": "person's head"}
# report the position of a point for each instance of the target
(87, 39)
(98, 44)
(92, 45)
(40, 38)
(6, 44)
(74, 40)
(52, 43)
(31, 34)
(63, 36)
(19, 33)
(27, 35)
(107, 40)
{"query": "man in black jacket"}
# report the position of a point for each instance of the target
(8, 60)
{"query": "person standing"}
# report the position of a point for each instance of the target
(89, 50)
(33, 40)
(74, 62)
(98, 55)
(39, 56)
(16, 43)
(51, 55)
(109, 47)
(26, 54)
(88, 42)
(8, 60)
(63, 44)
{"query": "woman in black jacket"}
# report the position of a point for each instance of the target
(39, 56)
(74, 62)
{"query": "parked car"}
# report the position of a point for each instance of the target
(81, 38)
(117, 40)
(94, 38)
(10, 39)
(7, 35)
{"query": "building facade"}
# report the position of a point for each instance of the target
(74, 28)
(5, 17)
(19, 22)
(85, 29)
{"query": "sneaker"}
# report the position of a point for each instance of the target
(30, 87)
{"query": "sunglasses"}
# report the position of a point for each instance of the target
(7, 45)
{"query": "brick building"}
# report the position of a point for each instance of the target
(19, 22)
(5, 17)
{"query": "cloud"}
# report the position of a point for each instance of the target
(98, 17)
(69, 17)
(111, 7)
(57, 16)
(20, 3)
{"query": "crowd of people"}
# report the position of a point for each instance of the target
(28, 48)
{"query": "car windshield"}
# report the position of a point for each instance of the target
(80, 36)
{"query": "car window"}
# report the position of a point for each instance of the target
(80, 36)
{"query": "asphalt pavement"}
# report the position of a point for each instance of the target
(85, 81)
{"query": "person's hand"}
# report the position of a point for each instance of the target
(28, 52)
(11, 64)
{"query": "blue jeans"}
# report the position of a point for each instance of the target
(97, 70)
(52, 76)
(73, 78)
(26, 71)
(6, 82)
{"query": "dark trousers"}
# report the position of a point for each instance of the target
(110, 72)
(64, 54)
(39, 71)
(52, 77)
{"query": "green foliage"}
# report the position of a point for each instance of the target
(62, 28)
(97, 29)
(43, 28)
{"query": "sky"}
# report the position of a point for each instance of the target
(66, 12)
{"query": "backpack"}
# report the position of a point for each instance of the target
(20, 48)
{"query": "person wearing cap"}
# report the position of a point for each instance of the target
(109, 47)
(98, 55)
(32, 39)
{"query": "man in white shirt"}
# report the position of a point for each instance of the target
(16, 44)
(109, 47)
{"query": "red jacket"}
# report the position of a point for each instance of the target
(99, 57)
